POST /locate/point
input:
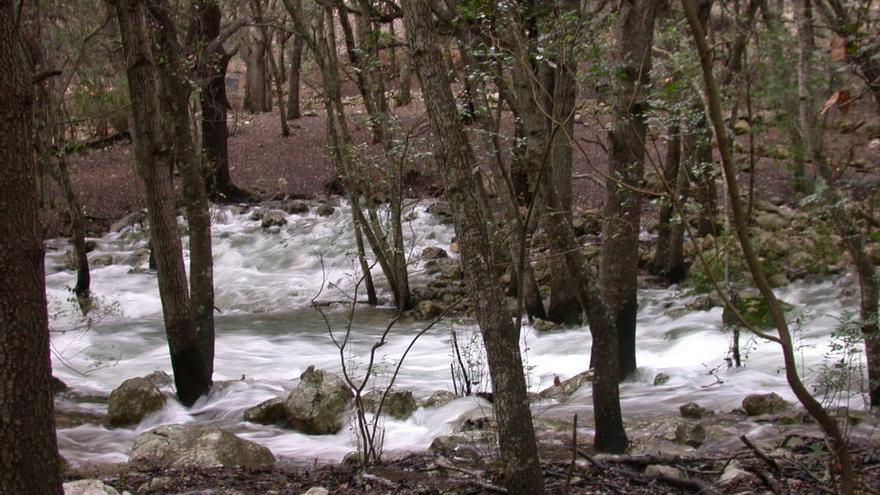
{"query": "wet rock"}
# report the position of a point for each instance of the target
(316, 490)
(88, 487)
(57, 386)
(295, 207)
(160, 379)
(134, 218)
(661, 470)
(274, 218)
(758, 404)
(563, 389)
(270, 412)
(258, 213)
(104, 259)
(399, 404)
(196, 446)
(131, 401)
(325, 210)
(427, 310)
(545, 326)
(690, 434)
(433, 253)
(693, 410)
(317, 404)
(441, 211)
(661, 379)
(439, 398)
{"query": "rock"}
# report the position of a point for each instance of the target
(454, 248)
(159, 484)
(565, 388)
(741, 127)
(758, 404)
(734, 473)
(447, 444)
(426, 310)
(317, 490)
(295, 207)
(325, 210)
(693, 410)
(778, 280)
(433, 253)
(439, 398)
(274, 218)
(441, 210)
(270, 412)
(88, 487)
(160, 379)
(661, 379)
(131, 401)
(545, 326)
(104, 259)
(258, 213)
(134, 218)
(661, 470)
(690, 434)
(196, 446)
(399, 404)
(317, 403)
(57, 386)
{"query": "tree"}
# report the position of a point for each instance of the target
(619, 270)
(29, 460)
(465, 193)
(156, 152)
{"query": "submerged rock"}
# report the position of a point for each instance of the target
(274, 218)
(196, 446)
(399, 404)
(317, 404)
(758, 404)
(131, 401)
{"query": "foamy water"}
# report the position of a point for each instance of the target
(267, 334)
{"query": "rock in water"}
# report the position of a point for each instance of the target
(268, 412)
(399, 404)
(317, 404)
(88, 487)
(132, 400)
(758, 404)
(690, 434)
(693, 410)
(439, 398)
(196, 446)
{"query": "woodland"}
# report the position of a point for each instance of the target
(439, 246)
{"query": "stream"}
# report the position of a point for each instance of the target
(268, 333)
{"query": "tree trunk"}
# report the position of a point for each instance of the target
(77, 235)
(154, 157)
(619, 270)
(293, 81)
(29, 460)
(256, 98)
(516, 436)
(663, 248)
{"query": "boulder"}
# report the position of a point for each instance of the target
(317, 404)
(661, 379)
(427, 310)
(433, 253)
(325, 210)
(758, 404)
(317, 490)
(160, 379)
(88, 487)
(690, 434)
(131, 401)
(563, 389)
(439, 398)
(545, 326)
(399, 404)
(693, 410)
(196, 446)
(295, 207)
(274, 218)
(270, 412)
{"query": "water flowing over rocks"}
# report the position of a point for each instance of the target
(318, 403)
(133, 400)
(196, 446)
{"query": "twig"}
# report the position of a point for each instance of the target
(769, 481)
(696, 486)
(764, 457)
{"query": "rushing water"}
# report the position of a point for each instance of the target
(267, 334)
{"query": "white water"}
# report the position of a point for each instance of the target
(267, 334)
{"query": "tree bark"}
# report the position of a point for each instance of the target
(293, 80)
(77, 235)
(619, 269)
(29, 460)
(666, 235)
(516, 436)
(154, 156)
(256, 97)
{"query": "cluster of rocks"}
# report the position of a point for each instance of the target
(272, 215)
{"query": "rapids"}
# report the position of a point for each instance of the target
(268, 333)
